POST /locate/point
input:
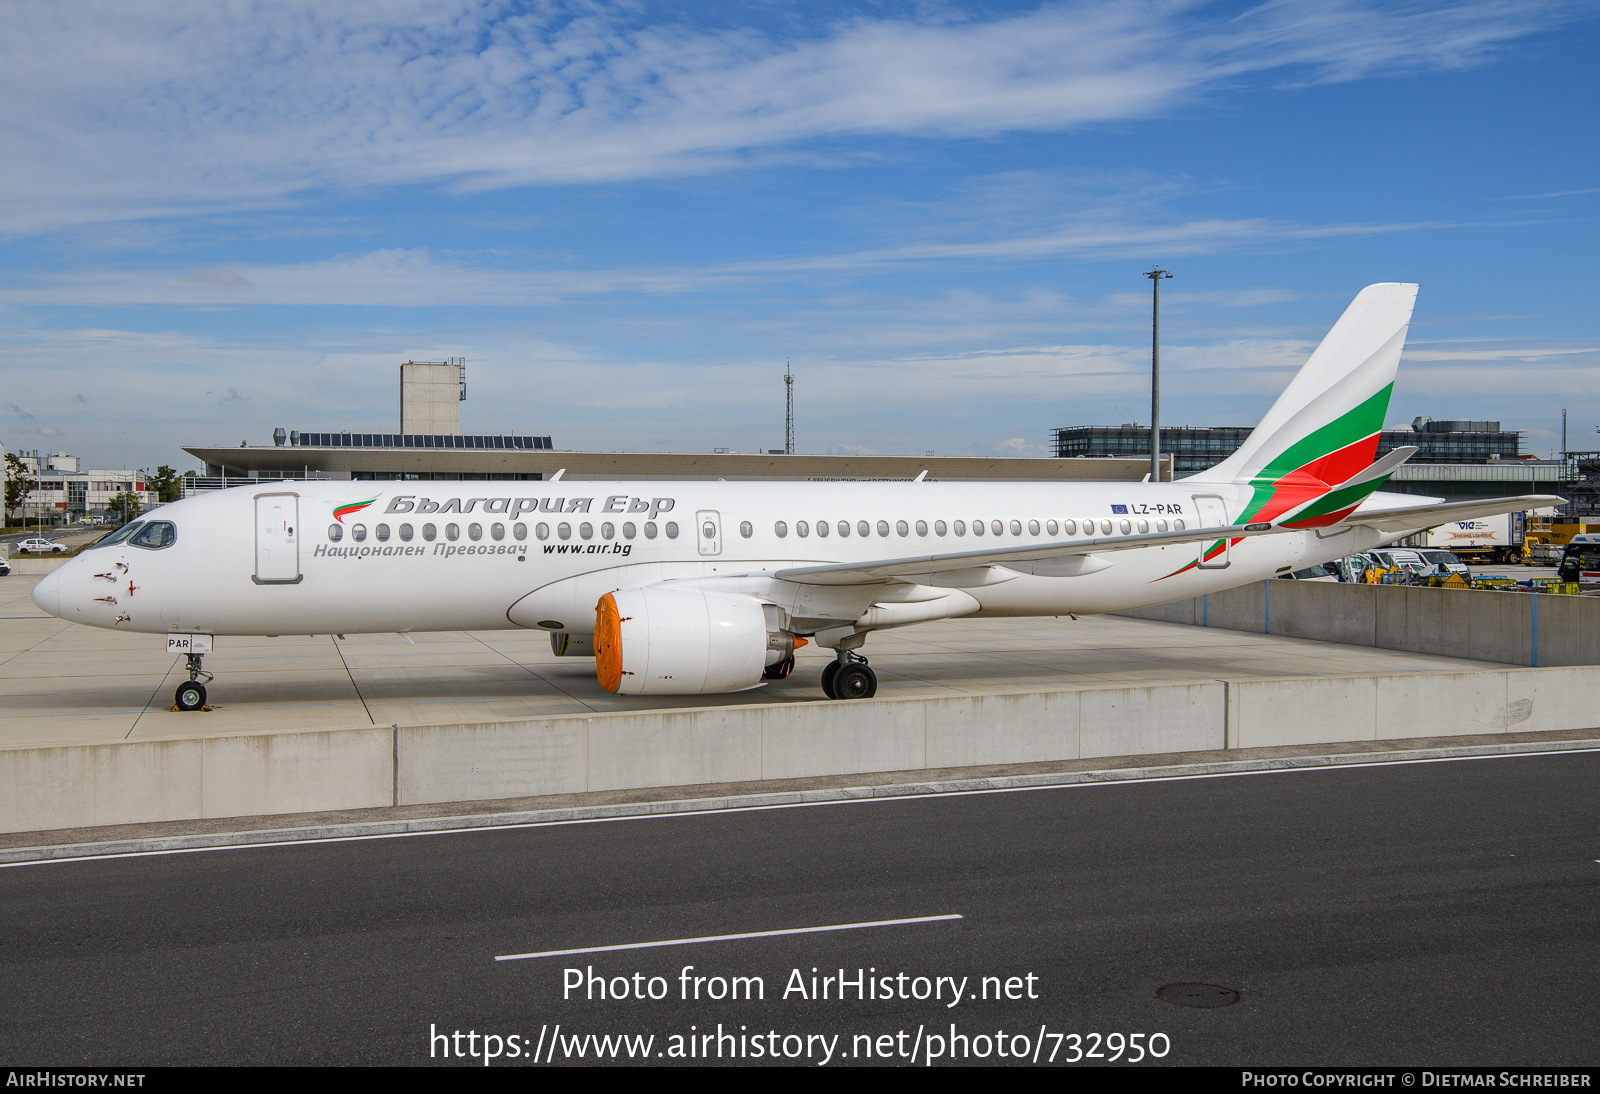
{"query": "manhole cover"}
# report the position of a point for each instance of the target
(1198, 995)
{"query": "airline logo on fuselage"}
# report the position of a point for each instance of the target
(512, 508)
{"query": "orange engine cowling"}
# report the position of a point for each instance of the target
(678, 642)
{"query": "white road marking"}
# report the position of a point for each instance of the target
(728, 937)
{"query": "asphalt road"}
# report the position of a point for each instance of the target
(1409, 914)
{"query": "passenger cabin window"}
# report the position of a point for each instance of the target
(358, 532)
(863, 528)
(745, 529)
(903, 529)
(672, 529)
(1070, 527)
(1161, 526)
(1050, 527)
(405, 533)
(960, 527)
(519, 531)
(497, 531)
(649, 529)
(430, 532)
(780, 529)
(977, 527)
(563, 531)
(1144, 526)
(883, 528)
(629, 530)
(335, 533)
(608, 530)
(541, 530)
(822, 529)
(938, 527)
(1105, 528)
(996, 527)
(844, 528)
(382, 532)
(802, 528)
(155, 535)
(585, 530)
(922, 527)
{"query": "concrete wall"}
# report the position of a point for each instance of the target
(1536, 630)
(127, 782)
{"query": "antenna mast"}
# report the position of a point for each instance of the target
(788, 416)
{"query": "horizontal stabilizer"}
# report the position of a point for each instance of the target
(1416, 517)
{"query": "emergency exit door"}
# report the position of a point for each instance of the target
(1213, 514)
(277, 539)
(709, 531)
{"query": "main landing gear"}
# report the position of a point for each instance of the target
(192, 696)
(849, 677)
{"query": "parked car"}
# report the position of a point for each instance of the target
(1447, 561)
(5, 568)
(1314, 573)
(41, 547)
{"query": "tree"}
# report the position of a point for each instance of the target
(124, 507)
(18, 483)
(165, 483)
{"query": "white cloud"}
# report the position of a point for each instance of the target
(119, 109)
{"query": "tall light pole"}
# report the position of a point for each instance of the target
(1155, 274)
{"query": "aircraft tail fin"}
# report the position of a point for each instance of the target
(1321, 436)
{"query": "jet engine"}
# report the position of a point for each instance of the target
(656, 641)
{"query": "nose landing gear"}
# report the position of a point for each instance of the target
(849, 677)
(192, 696)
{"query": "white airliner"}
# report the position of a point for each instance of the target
(697, 587)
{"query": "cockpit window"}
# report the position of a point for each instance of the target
(120, 534)
(155, 535)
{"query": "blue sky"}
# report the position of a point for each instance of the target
(217, 219)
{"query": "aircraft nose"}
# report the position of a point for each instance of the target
(47, 594)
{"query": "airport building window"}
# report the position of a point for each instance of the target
(780, 529)
(672, 529)
(358, 532)
(497, 531)
(745, 529)
(519, 531)
(335, 533)
(901, 528)
(649, 529)
(405, 533)
(429, 532)
(608, 530)
(938, 527)
(452, 532)
(382, 532)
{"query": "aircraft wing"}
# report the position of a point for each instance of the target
(1410, 517)
(969, 569)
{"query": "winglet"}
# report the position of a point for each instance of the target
(922, 476)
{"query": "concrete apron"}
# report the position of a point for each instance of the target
(78, 786)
